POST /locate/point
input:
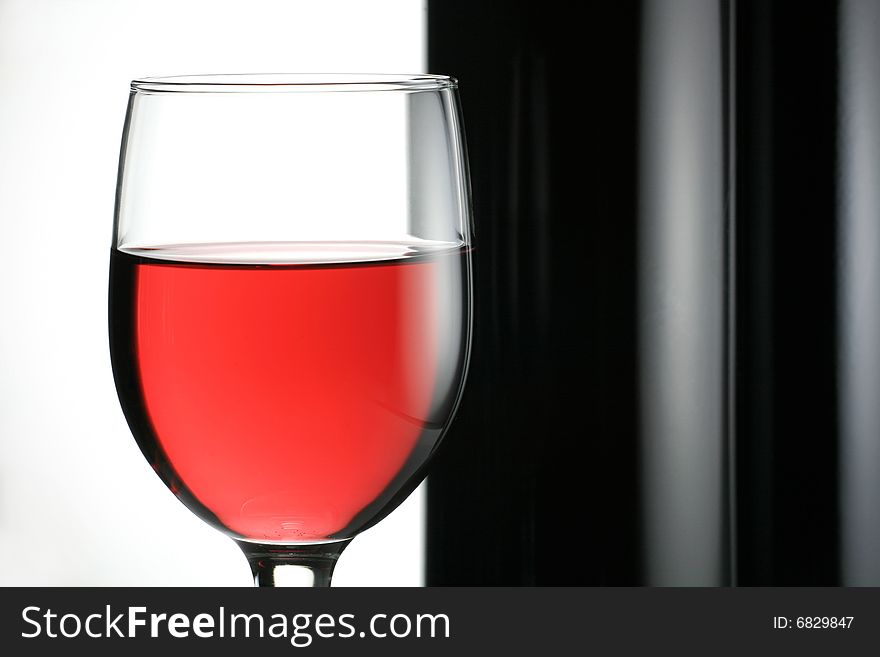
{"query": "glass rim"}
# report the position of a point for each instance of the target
(292, 82)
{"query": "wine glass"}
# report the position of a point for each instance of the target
(290, 304)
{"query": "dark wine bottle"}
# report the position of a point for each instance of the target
(808, 302)
(592, 443)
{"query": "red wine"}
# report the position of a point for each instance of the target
(289, 402)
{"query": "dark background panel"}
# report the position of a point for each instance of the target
(678, 240)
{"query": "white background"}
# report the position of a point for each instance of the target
(78, 503)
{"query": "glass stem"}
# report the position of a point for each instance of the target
(292, 565)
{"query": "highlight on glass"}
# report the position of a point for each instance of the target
(290, 300)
